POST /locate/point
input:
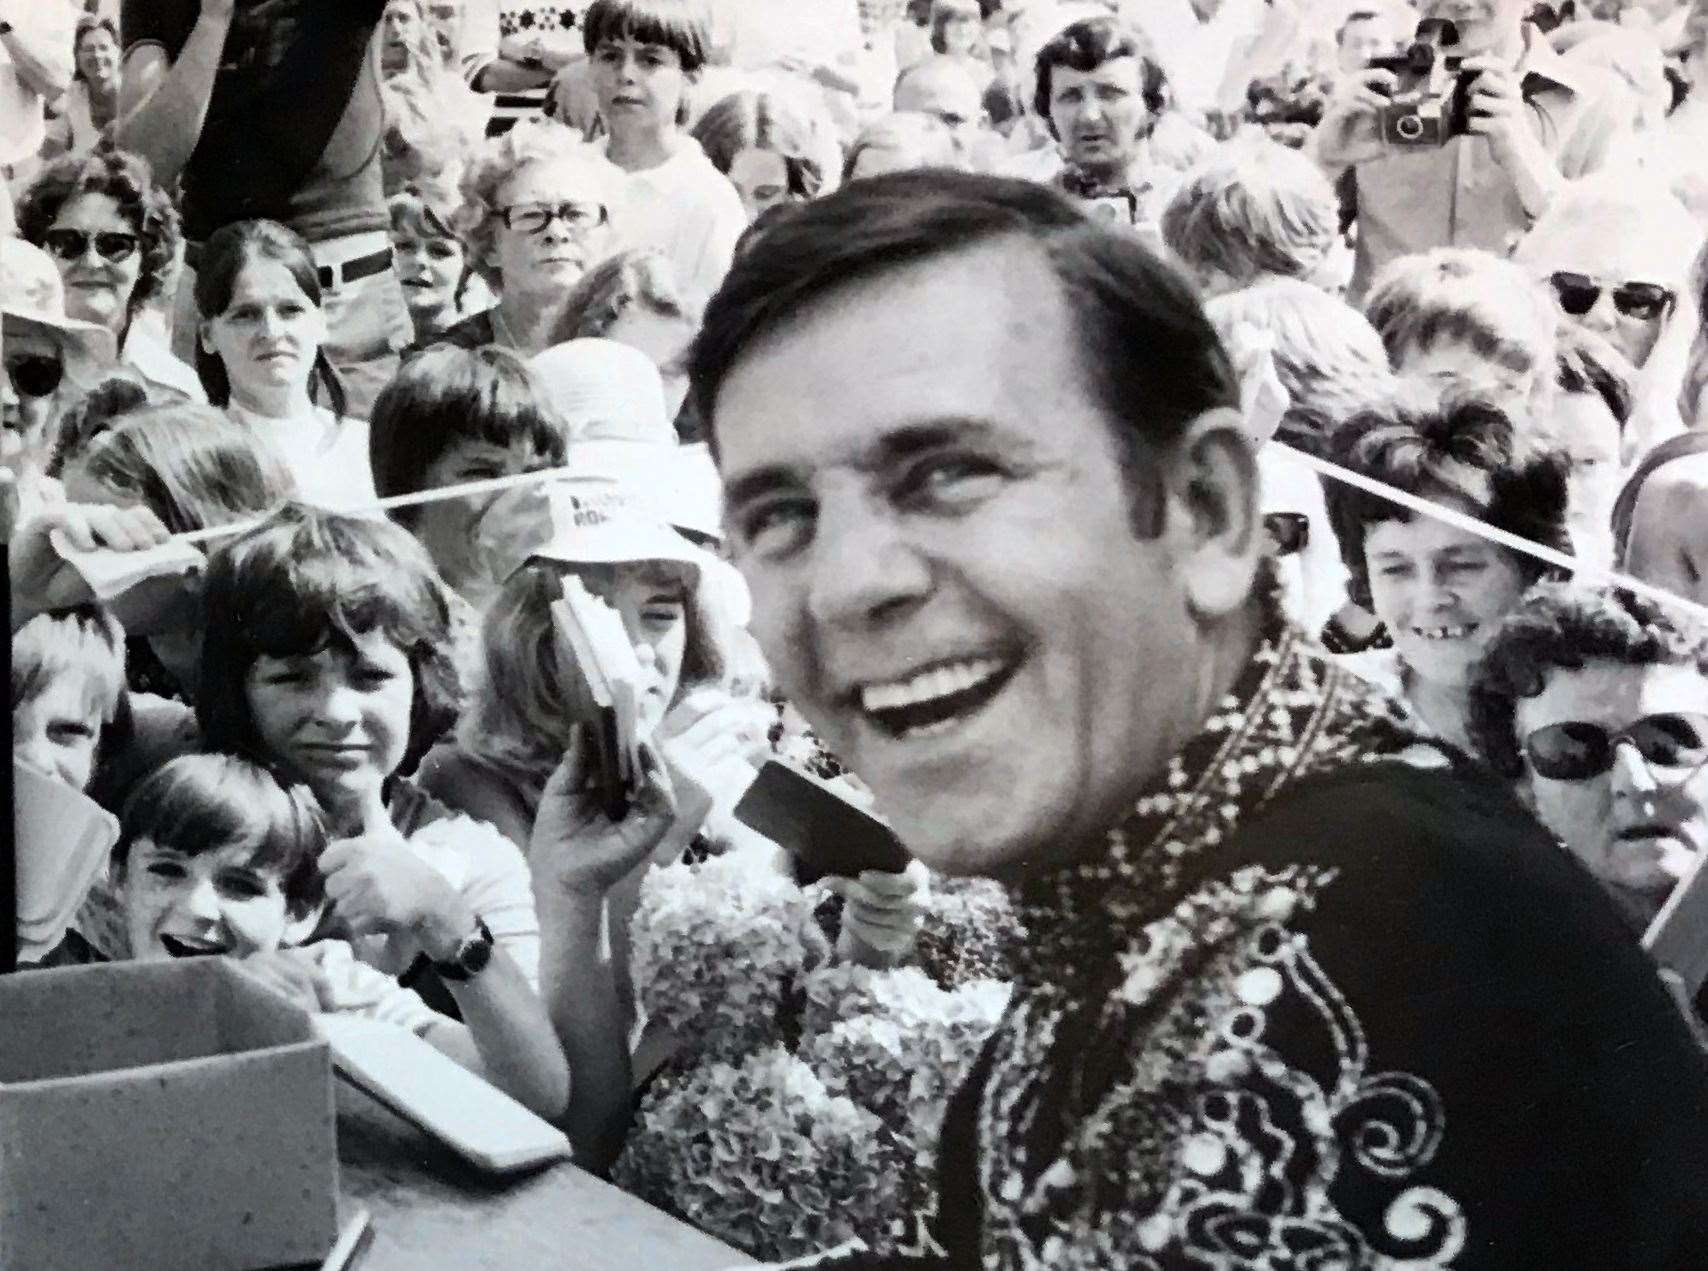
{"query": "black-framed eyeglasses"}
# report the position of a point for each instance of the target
(1578, 293)
(34, 374)
(1576, 750)
(113, 246)
(532, 218)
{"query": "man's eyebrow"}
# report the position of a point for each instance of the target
(894, 446)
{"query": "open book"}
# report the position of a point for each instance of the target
(591, 638)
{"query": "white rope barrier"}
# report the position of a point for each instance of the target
(1581, 572)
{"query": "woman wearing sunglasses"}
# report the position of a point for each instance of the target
(113, 234)
(1616, 259)
(1596, 705)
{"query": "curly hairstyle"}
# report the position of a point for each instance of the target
(1463, 296)
(1561, 627)
(1460, 450)
(1086, 45)
(762, 121)
(126, 179)
(306, 579)
(501, 159)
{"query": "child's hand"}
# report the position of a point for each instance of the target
(293, 974)
(576, 849)
(42, 580)
(881, 921)
(378, 886)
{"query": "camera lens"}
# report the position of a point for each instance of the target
(1408, 127)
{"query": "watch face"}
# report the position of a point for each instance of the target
(477, 953)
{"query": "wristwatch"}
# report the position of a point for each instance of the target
(471, 956)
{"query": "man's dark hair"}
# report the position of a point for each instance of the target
(1151, 357)
(1086, 45)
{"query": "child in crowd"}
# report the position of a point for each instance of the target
(327, 656)
(1256, 210)
(217, 856)
(1462, 317)
(68, 679)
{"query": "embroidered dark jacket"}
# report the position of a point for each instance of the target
(1317, 1008)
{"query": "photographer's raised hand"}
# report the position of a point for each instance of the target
(1351, 129)
(1496, 109)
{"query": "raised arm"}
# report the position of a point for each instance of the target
(164, 102)
(41, 52)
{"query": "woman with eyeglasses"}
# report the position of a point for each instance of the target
(1616, 257)
(1595, 704)
(1440, 589)
(113, 234)
(536, 215)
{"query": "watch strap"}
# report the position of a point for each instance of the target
(471, 956)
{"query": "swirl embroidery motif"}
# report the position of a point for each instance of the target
(1231, 1155)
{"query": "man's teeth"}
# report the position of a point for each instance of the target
(1445, 633)
(927, 686)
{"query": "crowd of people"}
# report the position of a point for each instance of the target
(1220, 479)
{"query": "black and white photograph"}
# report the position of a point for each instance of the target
(956, 635)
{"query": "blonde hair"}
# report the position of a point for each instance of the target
(85, 642)
(526, 703)
(502, 158)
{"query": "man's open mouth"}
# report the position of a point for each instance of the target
(188, 947)
(1463, 631)
(933, 700)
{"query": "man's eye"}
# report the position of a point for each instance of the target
(776, 528)
(956, 479)
(166, 869)
(1394, 571)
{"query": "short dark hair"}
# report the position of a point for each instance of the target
(196, 804)
(447, 394)
(1152, 359)
(1087, 44)
(1425, 449)
(1561, 627)
(303, 580)
(683, 26)
(127, 180)
(228, 249)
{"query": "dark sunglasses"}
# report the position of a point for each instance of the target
(1576, 750)
(1289, 531)
(34, 374)
(1578, 293)
(73, 244)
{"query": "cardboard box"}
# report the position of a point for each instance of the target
(167, 1115)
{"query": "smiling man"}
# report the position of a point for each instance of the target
(1279, 991)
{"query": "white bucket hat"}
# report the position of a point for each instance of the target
(33, 299)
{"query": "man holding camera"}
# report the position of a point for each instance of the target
(1469, 153)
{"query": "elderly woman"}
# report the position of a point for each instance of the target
(1596, 704)
(1440, 589)
(767, 147)
(113, 233)
(1616, 259)
(538, 212)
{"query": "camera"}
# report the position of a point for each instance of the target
(1431, 102)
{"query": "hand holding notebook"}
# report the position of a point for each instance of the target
(591, 637)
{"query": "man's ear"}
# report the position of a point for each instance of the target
(1212, 515)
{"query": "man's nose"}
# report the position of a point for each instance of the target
(865, 570)
(1091, 111)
